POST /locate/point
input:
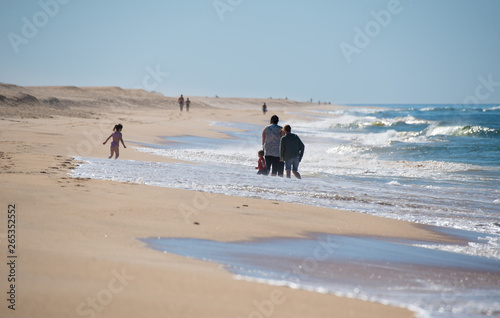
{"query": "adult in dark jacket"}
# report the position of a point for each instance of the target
(291, 151)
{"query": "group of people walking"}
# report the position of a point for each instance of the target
(181, 102)
(281, 150)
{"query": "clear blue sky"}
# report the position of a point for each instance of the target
(343, 51)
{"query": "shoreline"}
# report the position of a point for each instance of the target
(378, 269)
(78, 237)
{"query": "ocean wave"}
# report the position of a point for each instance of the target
(493, 108)
(436, 108)
(408, 120)
(466, 131)
(354, 122)
(457, 108)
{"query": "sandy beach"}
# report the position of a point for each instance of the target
(77, 247)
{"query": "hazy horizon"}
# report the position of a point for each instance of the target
(343, 52)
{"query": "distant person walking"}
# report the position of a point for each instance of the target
(181, 102)
(291, 152)
(271, 136)
(264, 108)
(115, 144)
(188, 102)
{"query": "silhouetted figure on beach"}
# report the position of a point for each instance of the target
(181, 102)
(291, 152)
(264, 108)
(188, 102)
(271, 136)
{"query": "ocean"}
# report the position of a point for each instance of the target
(437, 165)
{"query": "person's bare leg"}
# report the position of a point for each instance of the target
(288, 173)
(117, 152)
(297, 174)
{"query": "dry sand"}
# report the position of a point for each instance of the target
(76, 239)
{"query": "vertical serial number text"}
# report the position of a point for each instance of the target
(11, 256)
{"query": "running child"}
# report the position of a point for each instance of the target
(117, 137)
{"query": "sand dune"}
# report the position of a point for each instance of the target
(71, 101)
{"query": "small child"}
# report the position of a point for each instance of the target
(262, 164)
(117, 137)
